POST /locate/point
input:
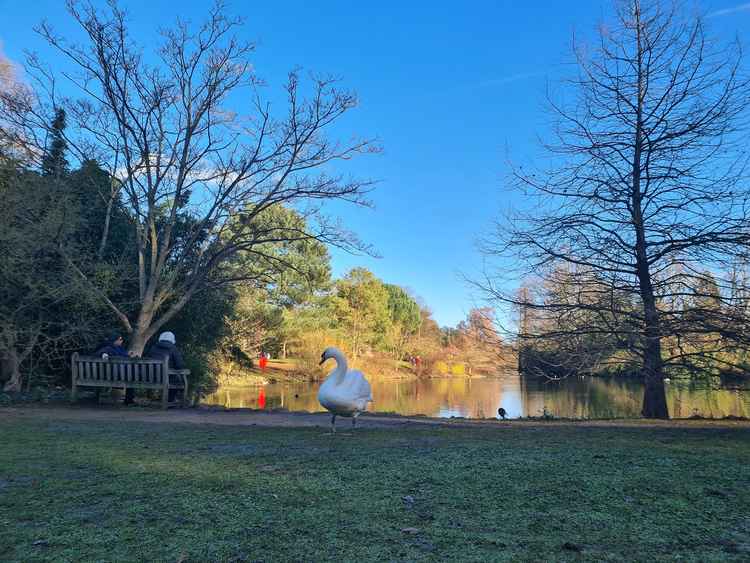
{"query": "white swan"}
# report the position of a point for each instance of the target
(345, 392)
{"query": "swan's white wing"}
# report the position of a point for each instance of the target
(358, 385)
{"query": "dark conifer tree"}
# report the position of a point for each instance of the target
(55, 163)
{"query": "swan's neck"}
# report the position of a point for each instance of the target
(341, 366)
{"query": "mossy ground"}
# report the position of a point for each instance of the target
(113, 491)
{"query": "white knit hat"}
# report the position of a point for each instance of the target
(167, 337)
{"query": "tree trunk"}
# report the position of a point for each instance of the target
(146, 326)
(137, 343)
(105, 231)
(654, 396)
(11, 368)
(141, 334)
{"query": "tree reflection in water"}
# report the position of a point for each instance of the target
(576, 397)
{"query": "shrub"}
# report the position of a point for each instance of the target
(441, 367)
(458, 369)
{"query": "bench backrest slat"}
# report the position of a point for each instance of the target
(119, 370)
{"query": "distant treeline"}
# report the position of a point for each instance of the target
(571, 324)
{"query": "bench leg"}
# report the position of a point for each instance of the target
(165, 398)
(73, 377)
(185, 392)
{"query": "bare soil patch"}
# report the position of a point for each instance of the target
(285, 419)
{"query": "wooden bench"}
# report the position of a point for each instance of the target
(128, 373)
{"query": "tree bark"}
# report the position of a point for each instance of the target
(11, 368)
(137, 343)
(141, 334)
(105, 231)
(654, 395)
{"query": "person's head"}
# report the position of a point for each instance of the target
(167, 337)
(116, 339)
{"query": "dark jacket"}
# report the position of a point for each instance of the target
(111, 350)
(162, 350)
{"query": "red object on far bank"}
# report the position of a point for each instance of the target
(262, 398)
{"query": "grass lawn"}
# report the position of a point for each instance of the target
(107, 491)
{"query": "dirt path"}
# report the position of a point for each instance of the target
(246, 417)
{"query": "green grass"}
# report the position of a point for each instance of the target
(83, 491)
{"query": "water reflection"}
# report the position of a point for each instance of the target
(583, 397)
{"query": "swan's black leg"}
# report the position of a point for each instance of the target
(354, 422)
(333, 424)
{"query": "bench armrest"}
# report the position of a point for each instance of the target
(182, 373)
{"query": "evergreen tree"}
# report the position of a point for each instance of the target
(54, 162)
(362, 309)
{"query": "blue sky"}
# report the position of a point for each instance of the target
(451, 89)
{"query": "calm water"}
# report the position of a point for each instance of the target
(584, 397)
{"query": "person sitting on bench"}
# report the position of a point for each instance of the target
(166, 348)
(112, 347)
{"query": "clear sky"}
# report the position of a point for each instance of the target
(452, 89)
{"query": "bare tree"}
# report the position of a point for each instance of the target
(193, 173)
(646, 175)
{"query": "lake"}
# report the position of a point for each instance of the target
(578, 397)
